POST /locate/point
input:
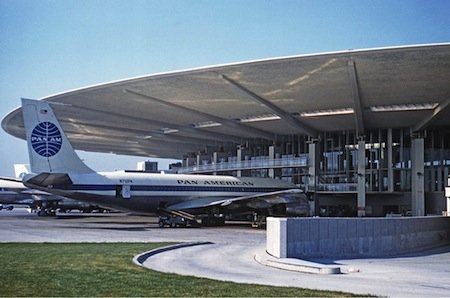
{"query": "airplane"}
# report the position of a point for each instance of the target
(57, 169)
(13, 192)
(6, 207)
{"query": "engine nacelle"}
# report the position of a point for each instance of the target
(298, 209)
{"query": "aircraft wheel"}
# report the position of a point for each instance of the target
(205, 221)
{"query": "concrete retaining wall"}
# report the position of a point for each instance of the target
(354, 237)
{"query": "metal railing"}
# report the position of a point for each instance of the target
(252, 164)
(337, 187)
(266, 163)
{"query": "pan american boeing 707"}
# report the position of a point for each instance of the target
(57, 169)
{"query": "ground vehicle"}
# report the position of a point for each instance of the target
(172, 221)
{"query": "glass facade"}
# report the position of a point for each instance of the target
(388, 161)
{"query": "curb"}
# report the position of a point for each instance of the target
(297, 265)
(141, 258)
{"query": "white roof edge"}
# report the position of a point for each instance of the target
(8, 115)
(245, 62)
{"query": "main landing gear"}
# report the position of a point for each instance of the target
(174, 219)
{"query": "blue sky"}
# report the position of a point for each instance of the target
(48, 47)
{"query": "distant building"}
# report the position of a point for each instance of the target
(174, 167)
(148, 166)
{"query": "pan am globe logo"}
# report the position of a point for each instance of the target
(46, 139)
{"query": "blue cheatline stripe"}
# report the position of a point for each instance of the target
(107, 187)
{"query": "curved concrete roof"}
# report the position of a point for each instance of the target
(169, 114)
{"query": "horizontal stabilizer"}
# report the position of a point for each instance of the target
(49, 180)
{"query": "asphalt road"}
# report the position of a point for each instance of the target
(231, 254)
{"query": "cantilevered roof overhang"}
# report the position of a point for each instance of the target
(170, 114)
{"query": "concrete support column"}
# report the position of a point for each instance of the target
(447, 194)
(313, 166)
(390, 173)
(361, 186)
(199, 160)
(189, 161)
(239, 159)
(313, 177)
(214, 161)
(271, 158)
(417, 177)
(448, 206)
(439, 178)
(448, 203)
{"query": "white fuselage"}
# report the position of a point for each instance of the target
(146, 192)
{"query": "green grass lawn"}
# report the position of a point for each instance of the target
(106, 269)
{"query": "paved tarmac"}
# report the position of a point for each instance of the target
(231, 256)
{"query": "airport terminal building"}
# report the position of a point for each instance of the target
(344, 174)
(363, 132)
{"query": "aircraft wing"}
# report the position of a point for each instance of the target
(291, 197)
